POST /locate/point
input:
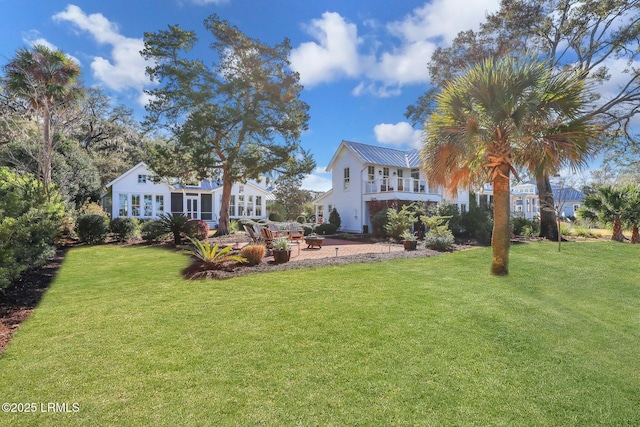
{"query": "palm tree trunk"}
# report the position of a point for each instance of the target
(501, 231)
(635, 234)
(617, 231)
(548, 224)
(223, 222)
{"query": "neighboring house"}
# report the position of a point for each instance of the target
(525, 201)
(363, 175)
(135, 194)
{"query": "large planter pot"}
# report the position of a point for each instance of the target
(410, 245)
(281, 256)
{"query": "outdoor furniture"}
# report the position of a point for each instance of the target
(268, 237)
(274, 229)
(255, 238)
(295, 233)
(313, 241)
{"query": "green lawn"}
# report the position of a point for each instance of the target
(434, 341)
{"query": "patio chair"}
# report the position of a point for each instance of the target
(295, 233)
(275, 230)
(268, 238)
(252, 234)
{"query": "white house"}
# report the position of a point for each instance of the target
(525, 201)
(365, 174)
(135, 194)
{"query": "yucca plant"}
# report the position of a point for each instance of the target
(212, 255)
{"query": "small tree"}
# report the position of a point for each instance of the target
(334, 218)
(399, 222)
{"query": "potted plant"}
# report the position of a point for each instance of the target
(281, 250)
(410, 241)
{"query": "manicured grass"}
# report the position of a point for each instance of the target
(434, 341)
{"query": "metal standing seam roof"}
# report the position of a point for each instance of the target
(566, 193)
(385, 156)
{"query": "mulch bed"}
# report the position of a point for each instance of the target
(18, 300)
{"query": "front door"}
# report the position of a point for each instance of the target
(192, 207)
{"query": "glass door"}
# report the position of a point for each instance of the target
(192, 207)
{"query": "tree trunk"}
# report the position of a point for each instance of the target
(223, 221)
(635, 234)
(501, 230)
(617, 231)
(548, 224)
(47, 150)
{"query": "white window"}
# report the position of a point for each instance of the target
(135, 205)
(123, 206)
(232, 205)
(463, 208)
(241, 211)
(371, 173)
(142, 179)
(258, 205)
(249, 205)
(148, 205)
(347, 179)
(159, 205)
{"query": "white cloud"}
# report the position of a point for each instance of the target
(401, 134)
(333, 54)
(338, 50)
(126, 68)
(442, 19)
(33, 38)
(319, 180)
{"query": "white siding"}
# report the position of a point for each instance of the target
(128, 185)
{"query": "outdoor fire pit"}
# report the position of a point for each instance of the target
(313, 241)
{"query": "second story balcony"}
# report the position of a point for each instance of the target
(400, 185)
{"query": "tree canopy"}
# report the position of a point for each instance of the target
(237, 119)
(500, 114)
(597, 39)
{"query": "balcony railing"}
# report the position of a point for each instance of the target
(399, 185)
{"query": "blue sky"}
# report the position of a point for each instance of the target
(361, 62)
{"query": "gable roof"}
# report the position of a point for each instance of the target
(118, 178)
(377, 155)
(565, 194)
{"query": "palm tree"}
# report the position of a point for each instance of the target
(632, 212)
(607, 204)
(48, 81)
(503, 113)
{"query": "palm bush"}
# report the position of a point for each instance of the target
(212, 255)
(399, 221)
(177, 225)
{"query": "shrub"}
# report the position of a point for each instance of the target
(334, 218)
(198, 229)
(234, 226)
(452, 212)
(379, 222)
(92, 228)
(439, 237)
(124, 228)
(308, 229)
(92, 208)
(326, 228)
(152, 230)
(212, 255)
(399, 222)
(254, 254)
(520, 224)
(28, 224)
(477, 222)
